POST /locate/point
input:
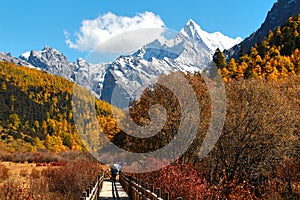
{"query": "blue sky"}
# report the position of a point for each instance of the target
(32, 24)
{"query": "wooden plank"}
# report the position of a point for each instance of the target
(107, 191)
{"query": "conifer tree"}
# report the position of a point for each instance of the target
(219, 59)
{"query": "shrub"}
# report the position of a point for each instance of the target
(70, 179)
(179, 179)
(3, 172)
(42, 157)
(24, 172)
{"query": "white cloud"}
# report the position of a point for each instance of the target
(112, 33)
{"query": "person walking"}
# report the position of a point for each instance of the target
(113, 171)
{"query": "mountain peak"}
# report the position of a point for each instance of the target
(50, 50)
(46, 47)
(191, 22)
(211, 40)
(25, 55)
(191, 29)
(80, 59)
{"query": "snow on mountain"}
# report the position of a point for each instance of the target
(211, 40)
(25, 55)
(9, 58)
(50, 60)
(90, 76)
(127, 76)
(191, 50)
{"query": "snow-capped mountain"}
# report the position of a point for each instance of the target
(89, 75)
(50, 60)
(9, 58)
(191, 50)
(127, 76)
(212, 41)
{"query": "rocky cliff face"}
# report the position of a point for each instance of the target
(50, 60)
(9, 58)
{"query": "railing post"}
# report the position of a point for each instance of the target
(84, 195)
(151, 187)
(94, 189)
(102, 180)
(91, 189)
(167, 196)
(88, 191)
(158, 192)
(140, 195)
(144, 197)
(143, 191)
(99, 185)
(133, 194)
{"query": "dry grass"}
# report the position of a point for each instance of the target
(18, 175)
(21, 171)
(53, 181)
(15, 168)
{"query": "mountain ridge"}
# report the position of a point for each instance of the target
(191, 50)
(281, 11)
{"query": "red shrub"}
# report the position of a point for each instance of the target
(180, 180)
(71, 178)
(57, 164)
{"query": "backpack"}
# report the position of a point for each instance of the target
(114, 171)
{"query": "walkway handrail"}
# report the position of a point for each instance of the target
(137, 192)
(93, 191)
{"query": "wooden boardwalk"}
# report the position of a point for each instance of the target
(113, 191)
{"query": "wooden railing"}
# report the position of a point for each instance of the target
(138, 191)
(93, 191)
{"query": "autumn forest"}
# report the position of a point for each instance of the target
(256, 157)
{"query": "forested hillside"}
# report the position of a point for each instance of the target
(36, 111)
(278, 56)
